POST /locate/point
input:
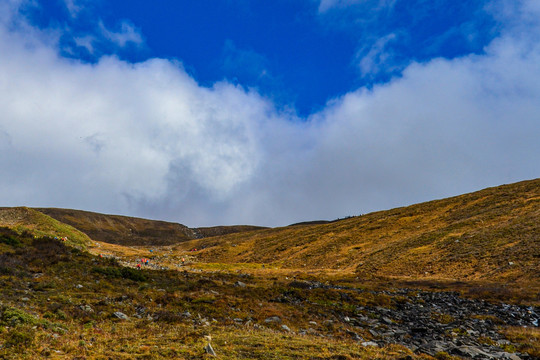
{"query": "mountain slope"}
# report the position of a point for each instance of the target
(26, 219)
(123, 230)
(132, 231)
(493, 234)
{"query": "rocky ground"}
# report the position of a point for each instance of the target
(435, 323)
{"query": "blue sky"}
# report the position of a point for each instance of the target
(298, 53)
(264, 112)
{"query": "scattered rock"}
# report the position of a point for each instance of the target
(273, 319)
(240, 284)
(209, 350)
(86, 308)
(370, 343)
(286, 328)
(121, 315)
(470, 352)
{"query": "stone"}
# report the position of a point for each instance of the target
(121, 315)
(470, 352)
(507, 356)
(370, 343)
(240, 284)
(209, 350)
(273, 319)
(286, 328)
(354, 335)
(86, 308)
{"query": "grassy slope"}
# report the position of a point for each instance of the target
(122, 230)
(493, 234)
(25, 219)
(59, 302)
(130, 231)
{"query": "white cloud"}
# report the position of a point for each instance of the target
(74, 7)
(127, 34)
(377, 57)
(146, 139)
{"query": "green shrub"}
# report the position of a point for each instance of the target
(10, 316)
(20, 337)
(124, 272)
(12, 241)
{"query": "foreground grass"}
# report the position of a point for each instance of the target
(147, 340)
(60, 302)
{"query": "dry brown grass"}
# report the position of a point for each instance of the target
(528, 338)
(492, 235)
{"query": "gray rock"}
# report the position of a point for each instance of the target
(507, 356)
(240, 284)
(470, 352)
(86, 308)
(121, 315)
(354, 335)
(370, 343)
(273, 319)
(286, 328)
(209, 350)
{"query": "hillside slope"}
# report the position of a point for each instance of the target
(23, 219)
(122, 230)
(132, 231)
(492, 234)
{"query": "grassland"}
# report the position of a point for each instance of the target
(62, 300)
(489, 236)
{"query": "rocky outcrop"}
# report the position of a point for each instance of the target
(437, 322)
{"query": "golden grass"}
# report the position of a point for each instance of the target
(528, 338)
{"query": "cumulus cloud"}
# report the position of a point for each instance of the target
(146, 139)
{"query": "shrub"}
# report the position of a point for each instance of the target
(12, 241)
(20, 337)
(124, 272)
(10, 316)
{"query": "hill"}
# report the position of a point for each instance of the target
(492, 234)
(381, 285)
(63, 303)
(132, 231)
(23, 219)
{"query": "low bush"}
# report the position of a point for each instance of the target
(123, 272)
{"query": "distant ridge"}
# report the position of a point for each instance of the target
(133, 231)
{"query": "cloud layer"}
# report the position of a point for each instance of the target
(146, 139)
